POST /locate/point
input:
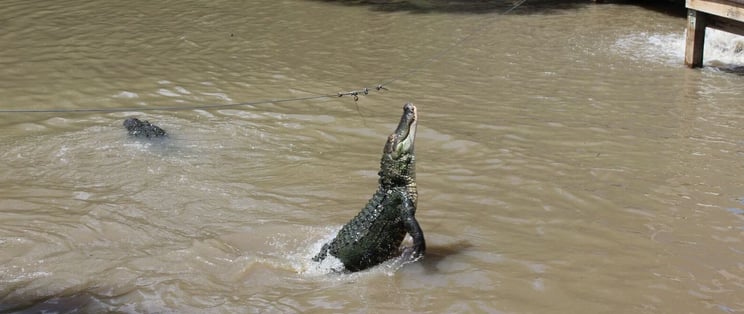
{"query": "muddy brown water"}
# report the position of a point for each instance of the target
(567, 161)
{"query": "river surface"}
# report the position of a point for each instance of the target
(568, 162)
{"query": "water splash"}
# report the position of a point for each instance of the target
(722, 49)
(666, 48)
(301, 260)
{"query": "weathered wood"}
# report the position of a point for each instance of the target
(729, 9)
(696, 23)
(726, 15)
(726, 25)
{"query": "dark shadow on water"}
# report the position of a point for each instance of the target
(435, 254)
(76, 303)
(674, 8)
(731, 69)
(670, 7)
(465, 6)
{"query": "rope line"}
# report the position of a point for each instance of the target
(354, 93)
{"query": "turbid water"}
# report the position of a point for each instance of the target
(568, 162)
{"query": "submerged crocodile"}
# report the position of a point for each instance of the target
(139, 128)
(376, 233)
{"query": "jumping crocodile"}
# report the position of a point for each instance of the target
(138, 128)
(376, 233)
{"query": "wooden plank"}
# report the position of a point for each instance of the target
(728, 9)
(726, 25)
(734, 1)
(695, 41)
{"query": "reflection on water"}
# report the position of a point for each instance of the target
(567, 161)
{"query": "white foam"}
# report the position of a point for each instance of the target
(168, 93)
(126, 94)
(666, 48)
(182, 90)
(81, 195)
(302, 261)
(669, 48)
(221, 96)
(723, 48)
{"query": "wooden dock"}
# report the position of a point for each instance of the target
(725, 15)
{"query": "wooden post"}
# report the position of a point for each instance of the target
(725, 15)
(696, 23)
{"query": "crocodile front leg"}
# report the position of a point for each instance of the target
(408, 212)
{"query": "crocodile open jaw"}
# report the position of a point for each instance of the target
(402, 140)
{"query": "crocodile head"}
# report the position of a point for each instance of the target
(398, 162)
(400, 143)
